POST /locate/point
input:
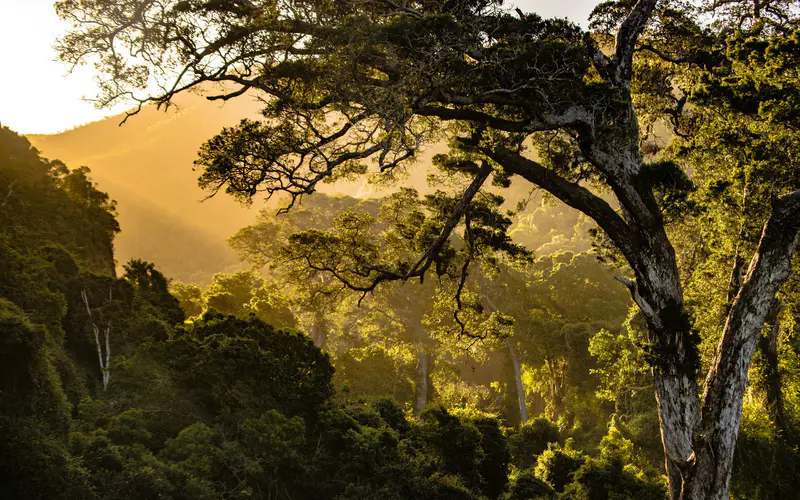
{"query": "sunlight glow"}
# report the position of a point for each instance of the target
(38, 96)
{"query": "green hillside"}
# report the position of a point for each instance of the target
(146, 165)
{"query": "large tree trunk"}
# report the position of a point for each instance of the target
(658, 293)
(699, 434)
(676, 393)
(523, 408)
(707, 474)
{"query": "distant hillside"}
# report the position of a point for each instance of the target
(146, 165)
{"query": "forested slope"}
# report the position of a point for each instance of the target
(432, 338)
(147, 167)
(107, 393)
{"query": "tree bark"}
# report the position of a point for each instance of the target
(707, 474)
(768, 346)
(699, 435)
(523, 408)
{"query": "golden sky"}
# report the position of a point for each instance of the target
(37, 95)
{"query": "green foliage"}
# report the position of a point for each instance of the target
(556, 465)
(614, 474)
(189, 296)
(152, 287)
(239, 368)
(34, 413)
(69, 210)
(493, 468)
(621, 360)
(232, 406)
(53, 223)
(601, 479)
(672, 188)
(530, 440)
(240, 294)
(766, 464)
(372, 372)
(263, 454)
(526, 486)
(452, 445)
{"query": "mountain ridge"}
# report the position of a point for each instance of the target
(146, 165)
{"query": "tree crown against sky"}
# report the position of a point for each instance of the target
(328, 74)
(46, 108)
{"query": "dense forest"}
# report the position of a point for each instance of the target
(573, 273)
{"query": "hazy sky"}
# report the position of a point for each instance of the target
(37, 96)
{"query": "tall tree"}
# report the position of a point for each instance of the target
(350, 81)
(393, 316)
(262, 246)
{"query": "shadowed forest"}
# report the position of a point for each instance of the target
(377, 249)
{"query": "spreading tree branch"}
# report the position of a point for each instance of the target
(572, 194)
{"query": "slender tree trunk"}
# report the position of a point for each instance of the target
(319, 331)
(523, 408)
(555, 388)
(421, 382)
(768, 345)
(104, 360)
(707, 474)
(106, 367)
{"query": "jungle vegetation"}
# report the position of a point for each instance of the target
(425, 344)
